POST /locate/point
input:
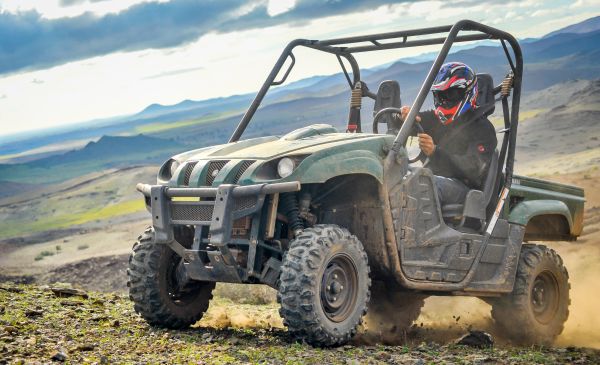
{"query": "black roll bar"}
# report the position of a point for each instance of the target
(341, 48)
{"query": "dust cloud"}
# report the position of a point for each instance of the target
(444, 319)
(583, 263)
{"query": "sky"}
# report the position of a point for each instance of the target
(68, 61)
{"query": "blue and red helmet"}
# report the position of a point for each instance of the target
(454, 91)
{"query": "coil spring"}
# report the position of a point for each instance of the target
(289, 205)
(506, 85)
(356, 97)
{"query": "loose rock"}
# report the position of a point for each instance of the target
(10, 329)
(33, 313)
(477, 339)
(70, 303)
(59, 356)
(69, 292)
(86, 347)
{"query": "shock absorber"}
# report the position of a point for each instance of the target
(355, 105)
(289, 206)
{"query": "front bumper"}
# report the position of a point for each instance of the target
(230, 203)
(226, 203)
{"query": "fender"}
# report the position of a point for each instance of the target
(322, 168)
(524, 211)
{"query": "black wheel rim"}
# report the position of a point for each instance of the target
(545, 297)
(339, 288)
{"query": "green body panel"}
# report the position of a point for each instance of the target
(528, 209)
(536, 197)
(342, 157)
(322, 153)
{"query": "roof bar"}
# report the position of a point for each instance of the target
(381, 36)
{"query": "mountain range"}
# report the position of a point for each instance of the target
(563, 55)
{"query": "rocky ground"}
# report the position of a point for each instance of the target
(37, 325)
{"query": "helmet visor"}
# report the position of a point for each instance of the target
(448, 98)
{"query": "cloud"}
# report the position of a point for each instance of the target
(30, 41)
(173, 72)
(76, 2)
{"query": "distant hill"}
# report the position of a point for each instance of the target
(563, 128)
(566, 54)
(9, 188)
(575, 55)
(586, 26)
(108, 151)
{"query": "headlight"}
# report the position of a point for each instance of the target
(167, 170)
(174, 165)
(285, 167)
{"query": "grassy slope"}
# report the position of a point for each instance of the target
(9, 228)
(108, 196)
(105, 329)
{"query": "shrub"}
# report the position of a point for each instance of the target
(83, 247)
(41, 255)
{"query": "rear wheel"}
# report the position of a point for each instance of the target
(154, 288)
(536, 310)
(324, 286)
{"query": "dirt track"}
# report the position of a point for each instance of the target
(443, 319)
(36, 326)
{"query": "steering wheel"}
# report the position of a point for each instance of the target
(417, 128)
(385, 112)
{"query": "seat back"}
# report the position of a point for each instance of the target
(485, 97)
(476, 202)
(489, 186)
(388, 96)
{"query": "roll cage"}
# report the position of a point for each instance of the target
(346, 47)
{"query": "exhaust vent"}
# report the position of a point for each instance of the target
(213, 170)
(241, 170)
(188, 172)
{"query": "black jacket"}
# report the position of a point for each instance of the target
(464, 148)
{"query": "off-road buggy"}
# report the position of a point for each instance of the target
(345, 223)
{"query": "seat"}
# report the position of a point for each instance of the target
(486, 104)
(476, 202)
(388, 96)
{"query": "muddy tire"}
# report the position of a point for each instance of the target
(536, 310)
(391, 314)
(152, 286)
(324, 286)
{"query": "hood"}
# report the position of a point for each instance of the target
(318, 151)
(305, 140)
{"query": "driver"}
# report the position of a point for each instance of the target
(458, 141)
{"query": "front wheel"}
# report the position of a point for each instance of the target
(537, 308)
(155, 291)
(324, 286)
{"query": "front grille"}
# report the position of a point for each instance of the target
(241, 227)
(182, 212)
(213, 169)
(244, 203)
(188, 172)
(241, 170)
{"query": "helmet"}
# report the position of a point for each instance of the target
(454, 91)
